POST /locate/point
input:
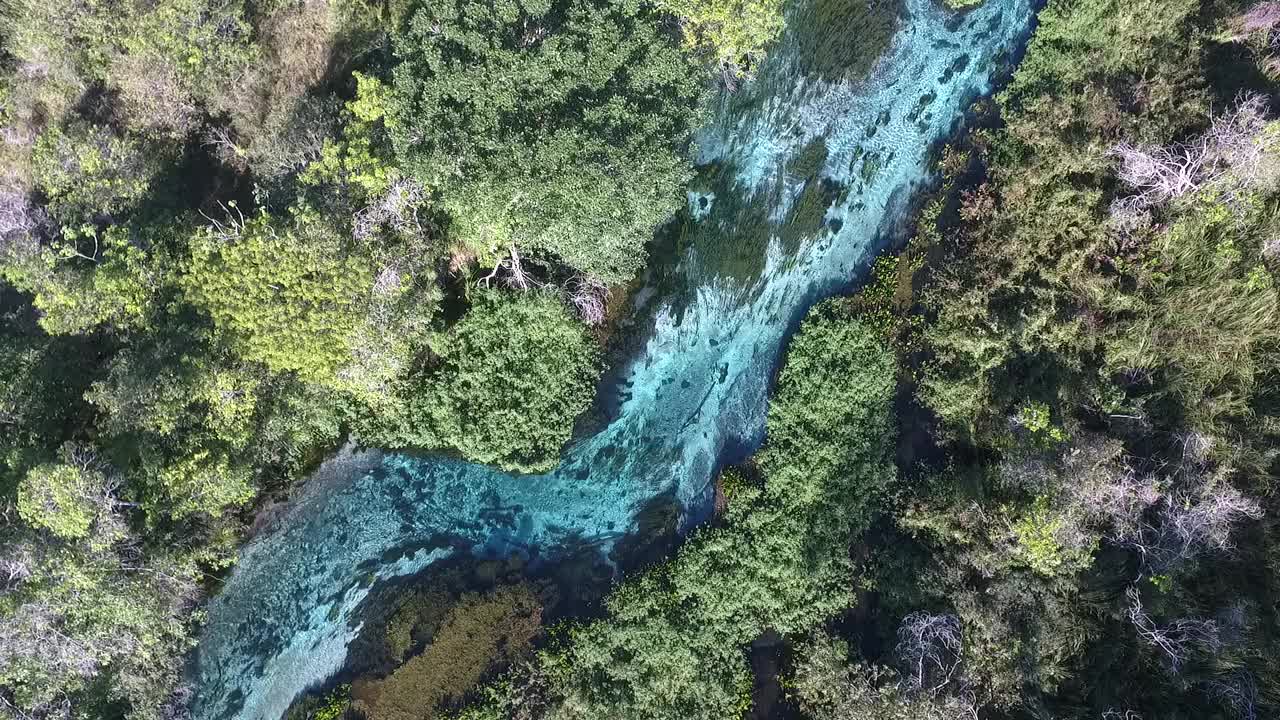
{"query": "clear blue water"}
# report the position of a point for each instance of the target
(694, 391)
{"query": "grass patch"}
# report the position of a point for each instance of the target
(842, 39)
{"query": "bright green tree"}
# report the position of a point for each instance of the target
(84, 619)
(512, 377)
(737, 31)
(557, 127)
(60, 498)
(88, 170)
(286, 294)
(201, 478)
(76, 296)
(358, 161)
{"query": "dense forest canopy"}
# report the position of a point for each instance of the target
(1028, 470)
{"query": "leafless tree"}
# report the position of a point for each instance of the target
(1192, 522)
(1196, 447)
(1168, 528)
(231, 226)
(532, 33)
(396, 209)
(1271, 248)
(1260, 27)
(514, 274)
(1032, 472)
(14, 135)
(1120, 498)
(22, 225)
(1238, 140)
(1263, 17)
(221, 140)
(589, 296)
(10, 710)
(1234, 151)
(388, 281)
(928, 650)
(17, 565)
(1234, 621)
(1167, 514)
(33, 633)
(1159, 174)
(34, 69)
(518, 278)
(1176, 641)
(729, 74)
(1237, 693)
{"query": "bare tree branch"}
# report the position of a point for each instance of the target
(589, 296)
(1234, 152)
(396, 209)
(1176, 641)
(928, 650)
(1237, 693)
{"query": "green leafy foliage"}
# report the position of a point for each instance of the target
(187, 422)
(59, 498)
(829, 685)
(1042, 217)
(1204, 312)
(70, 42)
(86, 170)
(358, 160)
(509, 381)
(1098, 362)
(287, 295)
(76, 297)
(841, 39)
(178, 52)
(737, 31)
(1038, 542)
(80, 597)
(830, 408)
(334, 705)
(70, 617)
(520, 115)
(199, 480)
(673, 642)
(140, 405)
(42, 380)
(1103, 368)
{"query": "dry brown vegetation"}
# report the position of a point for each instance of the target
(479, 632)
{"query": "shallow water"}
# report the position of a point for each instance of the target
(692, 392)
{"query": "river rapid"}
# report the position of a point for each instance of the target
(692, 391)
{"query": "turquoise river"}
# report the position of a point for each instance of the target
(690, 395)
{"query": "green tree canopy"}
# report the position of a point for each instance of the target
(512, 377)
(672, 644)
(287, 295)
(88, 170)
(60, 498)
(737, 31)
(86, 607)
(555, 126)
